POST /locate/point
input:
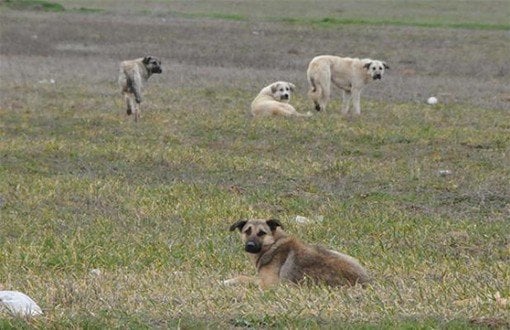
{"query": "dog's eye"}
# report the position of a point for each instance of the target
(261, 233)
(248, 231)
(373, 69)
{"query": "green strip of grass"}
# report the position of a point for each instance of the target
(221, 16)
(40, 5)
(85, 10)
(329, 22)
(35, 5)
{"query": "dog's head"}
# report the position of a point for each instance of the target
(256, 234)
(375, 68)
(282, 90)
(152, 64)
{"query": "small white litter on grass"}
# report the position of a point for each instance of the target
(304, 220)
(95, 272)
(444, 172)
(432, 100)
(19, 304)
(46, 81)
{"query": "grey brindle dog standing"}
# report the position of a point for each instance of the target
(132, 75)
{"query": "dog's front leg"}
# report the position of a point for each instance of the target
(346, 100)
(241, 279)
(356, 94)
(137, 111)
(268, 277)
(137, 87)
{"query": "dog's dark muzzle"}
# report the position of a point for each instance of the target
(284, 97)
(252, 247)
(157, 70)
(377, 77)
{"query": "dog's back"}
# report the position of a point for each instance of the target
(264, 95)
(262, 102)
(298, 260)
(343, 268)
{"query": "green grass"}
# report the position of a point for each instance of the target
(149, 205)
(329, 22)
(46, 6)
(34, 5)
(474, 14)
(111, 224)
(212, 15)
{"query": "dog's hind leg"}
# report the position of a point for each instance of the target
(322, 81)
(129, 104)
(325, 93)
(319, 81)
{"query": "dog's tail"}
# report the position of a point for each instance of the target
(313, 86)
(315, 89)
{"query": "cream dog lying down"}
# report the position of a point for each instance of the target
(273, 100)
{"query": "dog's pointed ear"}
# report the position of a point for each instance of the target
(238, 225)
(273, 224)
(274, 88)
(292, 87)
(147, 59)
(386, 66)
(367, 65)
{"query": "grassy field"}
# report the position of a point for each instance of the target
(111, 224)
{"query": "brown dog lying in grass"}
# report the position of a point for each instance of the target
(278, 256)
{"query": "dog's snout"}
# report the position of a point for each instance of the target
(252, 247)
(285, 96)
(377, 76)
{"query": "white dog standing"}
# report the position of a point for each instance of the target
(348, 74)
(273, 100)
